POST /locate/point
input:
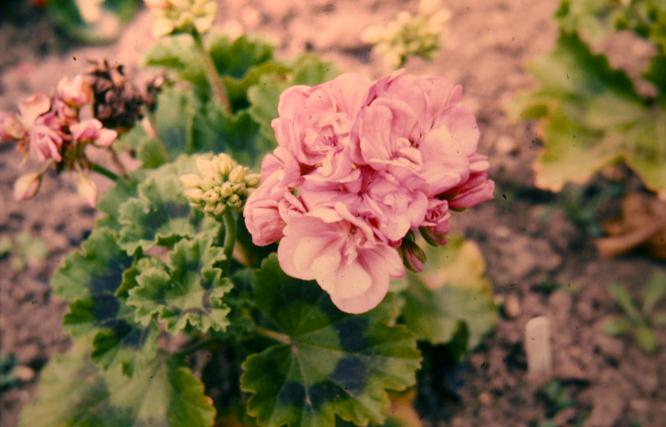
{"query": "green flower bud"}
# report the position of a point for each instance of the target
(221, 183)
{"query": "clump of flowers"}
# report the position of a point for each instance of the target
(220, 184)
(182, 15)
(360, 168)
(409, 35)
(54, 131)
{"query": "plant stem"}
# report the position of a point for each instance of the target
(229, 237)
(277, 336)
(103, 171)
(216, 83)
(194, 347)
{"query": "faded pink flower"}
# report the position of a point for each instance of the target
(10, 127)
(314, 122)
(75, 92)
(340, 252)
(45, 142)
(32, 107)
(92, 131)
(27, 186)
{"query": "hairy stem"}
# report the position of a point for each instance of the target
(219, 92)
(229, 237)
(103, 171)
(277, 336)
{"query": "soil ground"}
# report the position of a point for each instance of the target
(537, 258)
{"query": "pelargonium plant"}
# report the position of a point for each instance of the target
(208, 294)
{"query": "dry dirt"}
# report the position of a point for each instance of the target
(525, 236)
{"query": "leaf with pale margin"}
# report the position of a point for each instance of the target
(89, 280)
(334, 364)
(451, 292)
(185, 293)
(591, 116)
(74, 392)
(160, 214)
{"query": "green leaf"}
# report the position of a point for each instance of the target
(187, 292)
(235, 58)
(591, 116)
(150, 151)
(616, 326)
(179, 54)
(622, 297)
(174, 120)
(655, 289)
(160, 214)
(452, 290)
(327, 363)
(659, 319)
(93, 272)
(111, 200)
(646, 339)
(107, 27)
(73, 392)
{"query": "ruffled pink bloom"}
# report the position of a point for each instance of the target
(92, 131)
(75, 92)
(314, 122)
(415, 128)
(340, 252)
(358, 168)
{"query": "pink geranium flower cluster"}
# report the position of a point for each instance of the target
(359, 168)
(52, 130)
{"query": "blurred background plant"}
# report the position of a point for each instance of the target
(592, 115)
(25, 250)
(640, 319)
(409, 34)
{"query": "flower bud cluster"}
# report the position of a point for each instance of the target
(172, 16)
(220, 184)
(409, 35)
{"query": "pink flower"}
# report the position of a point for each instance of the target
(477, 189)
(10, 127)
(92, 131)
(27, 186)
(358, 169)
(436, 225)
(340, 252)
(75, 92)
(45, 143)
(415, 128)
(314, 122)
(32, 107)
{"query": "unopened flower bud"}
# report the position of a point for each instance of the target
(27, 186)
(221, 183)
(413, 256)
(87, 189)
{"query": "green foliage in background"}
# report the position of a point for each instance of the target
(590, 114)
(639, 319)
